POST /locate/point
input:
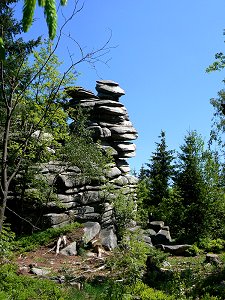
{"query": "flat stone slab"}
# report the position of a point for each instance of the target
(113, 90)
(174, 249)
(107, 82)
(80, 93)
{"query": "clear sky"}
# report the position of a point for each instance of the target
(160, 50)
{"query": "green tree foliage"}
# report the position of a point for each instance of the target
(160, 171)
(33, 120)
(50, 12)
(194, 207)
(129, 260)
(155, 179)
(14, 76)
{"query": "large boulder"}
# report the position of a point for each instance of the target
(91, 229)
(162, 237)
(156, 225)
(108, 238)
(70, 250)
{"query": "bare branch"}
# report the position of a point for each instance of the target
(33, 226)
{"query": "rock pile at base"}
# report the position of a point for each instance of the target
(158, 235)
(81, 201)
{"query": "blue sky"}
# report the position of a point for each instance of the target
(160, 50)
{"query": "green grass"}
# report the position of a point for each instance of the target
(32, 242)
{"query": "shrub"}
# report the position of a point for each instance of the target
(212, 245)
(144, 292)
(129, 260)
(6, 242)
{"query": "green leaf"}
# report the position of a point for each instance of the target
(63, 2)
(51, 17)
(2, 49)
(28, 13)
(41, 3)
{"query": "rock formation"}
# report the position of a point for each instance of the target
(81, 201)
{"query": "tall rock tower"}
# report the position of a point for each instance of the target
(109, 122)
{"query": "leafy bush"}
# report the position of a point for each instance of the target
(212, 245)
(194, 250)
(129, 260)
(6, 240)
(144, 292)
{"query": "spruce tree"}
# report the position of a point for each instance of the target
(160, 171)
(192, 185)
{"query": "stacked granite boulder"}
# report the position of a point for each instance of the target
(81, 201)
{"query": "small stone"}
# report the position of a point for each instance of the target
(39, 271)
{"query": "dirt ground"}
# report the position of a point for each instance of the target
(86, 265)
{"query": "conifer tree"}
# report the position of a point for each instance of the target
(191, 183)
(160, 171)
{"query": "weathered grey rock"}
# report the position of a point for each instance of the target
(70, 250)
(107, 206)
(166, 228)
(113, 172)
(79, 93)
(69, 198)
(125, 123)
(39, 271)
(107, 214)
(174, 249)
(54, 219)
(60, 225)
(109, 149)
(91, 229)
(66, 181)
(123, 129)
(93, 217)
(121, 181)
(108, 82)
(162, 237)
(99, 132)
(150, 232)
(156, 225)
(125, 147)
(83, 210)
(108, 238)
(116, 119)
(117, 111)
(131, 179)
(124, 137)
(123, 165)
(128, 154)
(90, 197)
(107, 88)
(147, 240)
(108, 102)
(212, 258)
